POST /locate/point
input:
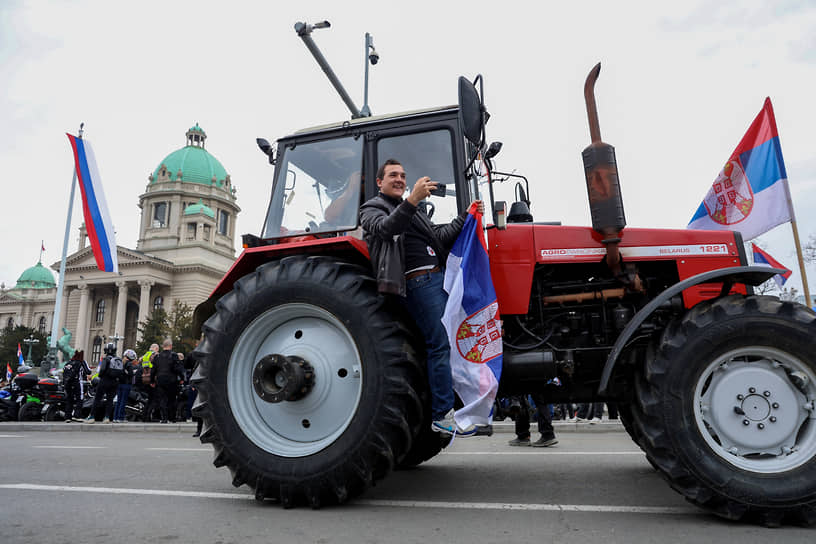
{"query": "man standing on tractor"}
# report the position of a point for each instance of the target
(409, 253)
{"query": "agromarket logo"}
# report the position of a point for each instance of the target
(730, 199)
(478, 337)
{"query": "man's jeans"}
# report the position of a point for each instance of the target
(122, 393)
(426, 301)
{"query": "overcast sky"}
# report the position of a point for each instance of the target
(678, 88)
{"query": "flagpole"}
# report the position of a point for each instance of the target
(52, 351)
(798, 246)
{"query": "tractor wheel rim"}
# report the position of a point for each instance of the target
(754, 408)
(309, 424)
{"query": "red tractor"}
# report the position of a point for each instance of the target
(312, 385)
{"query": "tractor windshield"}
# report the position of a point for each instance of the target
(317, 188)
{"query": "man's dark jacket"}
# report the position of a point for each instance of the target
(166, 368)
(384, 220)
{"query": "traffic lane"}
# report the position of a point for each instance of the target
(100, 518)
(453, 490)
(583, 468)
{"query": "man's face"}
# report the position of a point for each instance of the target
(393, 182)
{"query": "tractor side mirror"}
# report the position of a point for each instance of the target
(266, 149)
(470, 112)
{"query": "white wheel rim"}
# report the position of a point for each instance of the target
(306, 426)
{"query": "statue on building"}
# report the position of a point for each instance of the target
(64, 344)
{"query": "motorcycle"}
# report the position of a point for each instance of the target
(11, 399)
(44, 398)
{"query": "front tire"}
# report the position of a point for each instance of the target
(354, 411)
(725, 409)
(30, 411)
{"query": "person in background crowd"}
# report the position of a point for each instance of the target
(165, 374)
(111, 371)
(612, 408)
(73, 373)
(147, 386)
(125, 384)
(590, 411)
(544, 417)
(190, 366)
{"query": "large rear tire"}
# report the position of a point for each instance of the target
(307, 384)
(725, 409)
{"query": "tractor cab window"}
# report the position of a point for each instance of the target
(425, 154)
(317, 188)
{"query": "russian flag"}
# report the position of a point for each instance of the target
(20, 360)
(762, 257)
(472, 321)
(750, 195)
(94, 207)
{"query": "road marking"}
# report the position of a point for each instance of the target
(533, 507)
(11, 436)
(125, 491)
(71, 447)
(179, 449)
(597, 508)
(542, 451)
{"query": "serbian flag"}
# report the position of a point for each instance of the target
(20, 360)
(9, 373)
(94, 208)
(472, 321)
(750, 195)
(762, 257)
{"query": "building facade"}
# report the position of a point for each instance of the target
(185, 245)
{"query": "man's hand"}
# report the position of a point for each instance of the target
(422, 190)
(479, 206)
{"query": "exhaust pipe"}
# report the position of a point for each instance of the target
(603, 187)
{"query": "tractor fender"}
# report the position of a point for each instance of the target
(750, 275)
(350, 247)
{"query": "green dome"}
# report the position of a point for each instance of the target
(195, 163)
(36, 277)
(193, 209)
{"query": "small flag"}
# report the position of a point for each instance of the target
(762, 257)
(473, 324)
(94, 206)
(20, 360)
(750, 195)
(42, 245)
(9, 373)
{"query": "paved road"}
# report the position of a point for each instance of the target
(88, 487)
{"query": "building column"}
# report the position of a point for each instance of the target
(121, 306)
(82, 318)
(144, 304)
(63, 312)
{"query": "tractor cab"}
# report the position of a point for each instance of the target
(324, 174)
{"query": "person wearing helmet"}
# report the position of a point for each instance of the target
(125, 384)
(111, 371)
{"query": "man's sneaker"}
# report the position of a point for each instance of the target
(69, 420)
(519, 442)
(544, 442)
(90, 421)
(447, 425)
(484, 430)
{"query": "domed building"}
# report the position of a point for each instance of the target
(31, 301)
(186, 243)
